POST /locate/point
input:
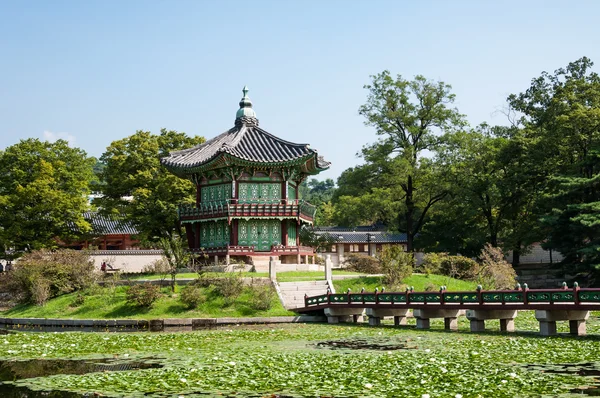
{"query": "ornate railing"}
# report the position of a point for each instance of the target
(249, 250)
(232, 208)
(494, 298)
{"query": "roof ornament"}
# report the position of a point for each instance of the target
(246, 115)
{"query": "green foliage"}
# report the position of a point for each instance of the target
(143, 295)
(319, 193)
(363, 263)
(175, 254)
(460, 267)
(262, 298)
(495, 272)
(229, 286)
(258, 361)
(41, 275)
(192, 296)
(396, 264)
(43, 188)
(560, 113)
(138, 187)
(397, 185)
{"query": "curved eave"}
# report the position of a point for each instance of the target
(307, 163)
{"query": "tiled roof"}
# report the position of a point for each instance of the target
(364, 237)
(247, 142)
(104, 225)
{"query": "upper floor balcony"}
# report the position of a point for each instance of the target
(232, 209)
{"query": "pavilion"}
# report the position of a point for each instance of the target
(247, 204)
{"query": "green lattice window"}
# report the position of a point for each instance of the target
(214, 234)
(262, 234)
(215, 194)
(255, 192)
(291, 230)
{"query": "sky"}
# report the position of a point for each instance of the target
(93, 71)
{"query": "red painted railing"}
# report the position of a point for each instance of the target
(232, 208)
(564, 298)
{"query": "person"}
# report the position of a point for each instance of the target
(103, 266)
(1, 267)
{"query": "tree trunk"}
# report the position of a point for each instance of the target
(516, 254)
(410, 209)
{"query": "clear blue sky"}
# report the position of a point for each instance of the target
(97, 71)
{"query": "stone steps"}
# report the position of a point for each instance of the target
(292, 293)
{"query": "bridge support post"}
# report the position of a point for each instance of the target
(478, 318)
(548, 318)
(377, 314)
(343, 315)
(424, 315)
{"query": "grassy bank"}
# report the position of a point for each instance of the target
(110, 303)
(419, 281)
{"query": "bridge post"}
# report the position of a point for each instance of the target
(344, 315)
(548, 318)
(478, 318)
(377, 314)
(423, 317)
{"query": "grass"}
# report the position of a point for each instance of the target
(110, 303)
(418, 281)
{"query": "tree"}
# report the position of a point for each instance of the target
(43, 194)
(136, 186)
(319, 194)
(494, 183)
(560, 113)
(408, 116)
(175, 253)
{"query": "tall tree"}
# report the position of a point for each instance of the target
(408, 116)
(561, 115)
(43, 194)
(495, 184)
(319, 194)
(136, 186)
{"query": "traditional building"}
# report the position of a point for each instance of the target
(247, 202)
(107, 234)
(365, 239)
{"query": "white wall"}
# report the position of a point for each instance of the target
(126, 260)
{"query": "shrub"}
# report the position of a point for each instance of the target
(143, 295)
(432, 263)
(192, 296)
(396, 265)
(364, 263)
(40, 291)
(262, 297)
(430, 287)
(79, 300)
(229, 286)
(43, 274)
(460, 267)
(496, 272)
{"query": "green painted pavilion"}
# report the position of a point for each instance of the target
(247, 201)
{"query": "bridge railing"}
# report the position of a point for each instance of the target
(524, 296)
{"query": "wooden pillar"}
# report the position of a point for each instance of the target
(197, 235)
(298, 226)
(189, 232)
(234, 232)
(284, 192)
(284, 232)
(198, 195)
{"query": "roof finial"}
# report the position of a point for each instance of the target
(246, 114)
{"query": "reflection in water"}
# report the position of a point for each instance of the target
(18, 370)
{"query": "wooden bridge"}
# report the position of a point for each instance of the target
(550, 305)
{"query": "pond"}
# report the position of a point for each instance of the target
(302, 361)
